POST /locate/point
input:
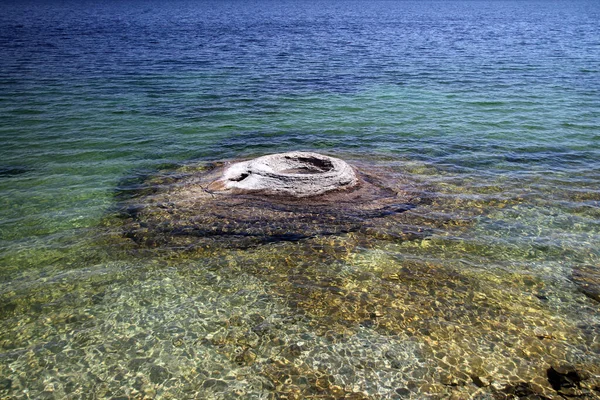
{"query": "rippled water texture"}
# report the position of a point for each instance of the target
(487, 113)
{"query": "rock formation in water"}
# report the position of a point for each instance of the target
(287, 196)
(587, 279)
(296, 174)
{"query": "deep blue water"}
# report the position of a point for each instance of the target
(493, 104)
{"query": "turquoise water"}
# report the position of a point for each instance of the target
(489, 109)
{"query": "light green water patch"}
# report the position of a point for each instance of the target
(191, 114)
(60, 250)
(45, 212)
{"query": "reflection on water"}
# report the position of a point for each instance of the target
(482, 306)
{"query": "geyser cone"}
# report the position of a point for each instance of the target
(295, 174)
(287, 196)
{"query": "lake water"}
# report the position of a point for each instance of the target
(490, 108)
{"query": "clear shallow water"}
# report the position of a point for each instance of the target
(495, 106)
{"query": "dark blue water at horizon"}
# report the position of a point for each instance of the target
(492, 105)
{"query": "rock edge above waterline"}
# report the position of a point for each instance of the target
(295, 174)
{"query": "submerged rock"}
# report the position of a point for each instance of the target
(279, 197)
(9, 170)
(520, 390)
(587, 279)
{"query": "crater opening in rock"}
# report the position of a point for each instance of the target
(240, 178)
(308, 165)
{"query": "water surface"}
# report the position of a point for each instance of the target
(490, 107)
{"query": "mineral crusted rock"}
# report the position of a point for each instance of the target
(280, 197)
(295, 174)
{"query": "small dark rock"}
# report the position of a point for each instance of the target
(5, 384)
(256, 318)
(587, 279)
(247, 357)
(448, 379)
(262, 328)
(215, 384)
(138, 384)
(564, 369)
(7, 310)
(55, 347)
(70, 387)
(523, 390)
(295, 350)
(403, 392)
(119, 377)
(542, 296)
(159, 374)
(97, 298)
(571, 392)
(136, 363)
(564, 376)
(367, 323)
(9, 170)
(480, 381)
